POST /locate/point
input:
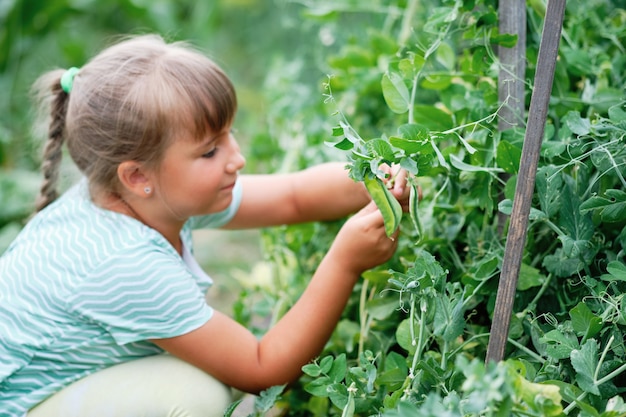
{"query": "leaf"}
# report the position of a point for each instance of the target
(325, 364)
(559, 345)
(318, 387)
(529, 277)
(463, 166)
(446, 56)
(409, 146)
(617, 113)
(612, 208)
(344, 144)
(414, 131)
(382, 308)
(395, 92)
(616, 271)
(548, 187)
(543, 398)
(312, 369)
(380, 148)
(585, 362)
(577, 225)
(584, 322)
(231, 408)
(432, 117)
(266, 400)
(577, 124)
(338, 371)
(403, 335)
(508, 157)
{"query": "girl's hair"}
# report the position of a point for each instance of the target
(129, 103)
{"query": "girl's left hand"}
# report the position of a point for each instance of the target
(397, 182)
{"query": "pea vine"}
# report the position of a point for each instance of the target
(420, 91)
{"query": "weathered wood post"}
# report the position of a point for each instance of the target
(516, 239)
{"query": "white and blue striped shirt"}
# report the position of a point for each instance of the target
(83, 288)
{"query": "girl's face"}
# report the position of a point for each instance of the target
(197, 177)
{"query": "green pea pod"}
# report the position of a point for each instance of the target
(386, 203)
(413, 204)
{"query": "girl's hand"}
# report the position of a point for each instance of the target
(362, 243)
(397, 181)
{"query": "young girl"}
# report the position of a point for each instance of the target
(102, 305)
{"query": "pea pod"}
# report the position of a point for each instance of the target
(413, 204)
(386, 203)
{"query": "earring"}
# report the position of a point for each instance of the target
(147, 190)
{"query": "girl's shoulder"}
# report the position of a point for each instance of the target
(74, 231)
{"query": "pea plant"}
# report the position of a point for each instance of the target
(420, 91)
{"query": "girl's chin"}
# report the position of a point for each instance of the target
(222, 205)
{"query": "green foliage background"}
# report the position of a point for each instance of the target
(414, 83)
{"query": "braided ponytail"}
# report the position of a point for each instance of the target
(53, 148)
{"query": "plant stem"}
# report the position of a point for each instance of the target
(406, 28)
(526, 350)
(362, 316)
(533, 304)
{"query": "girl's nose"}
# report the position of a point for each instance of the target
(237, 161)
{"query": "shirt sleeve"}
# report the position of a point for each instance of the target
(221, 218)
(141, 294)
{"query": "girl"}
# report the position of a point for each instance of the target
(102, 281)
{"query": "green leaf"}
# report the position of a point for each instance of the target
(409, 146)
(414, 131)
(231, 408)
(318, 387)
(617, 113)
(585, 362)
(612, 208)
(325, 364)
(266, 400)
(616, 271)
(577, 124)
(508, 157)
(338, 394)
(432, 117)
(404, 335)
(338, 371)
(312, 369)
(529, 277)
(446, 56)
(559, 345)
(549, 185)
(463, 166)
(584, 322)
(543, 398)
(382, 308)
(380, 148)
(344, 144)
(395, 92)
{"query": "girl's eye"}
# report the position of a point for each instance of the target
(210, 154)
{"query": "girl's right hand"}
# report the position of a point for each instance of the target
(362, 243)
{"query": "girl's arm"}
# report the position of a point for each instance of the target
(232, 354)
(322, 192)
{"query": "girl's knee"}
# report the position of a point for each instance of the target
(159, 386)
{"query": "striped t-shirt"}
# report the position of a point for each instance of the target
(83, 288)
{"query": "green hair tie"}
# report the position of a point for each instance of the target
(67, 80)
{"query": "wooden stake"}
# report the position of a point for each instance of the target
(518, 227)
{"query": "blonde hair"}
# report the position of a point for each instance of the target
(128, 103)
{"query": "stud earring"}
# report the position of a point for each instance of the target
(147, 190)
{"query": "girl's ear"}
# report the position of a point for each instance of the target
(134, 178)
